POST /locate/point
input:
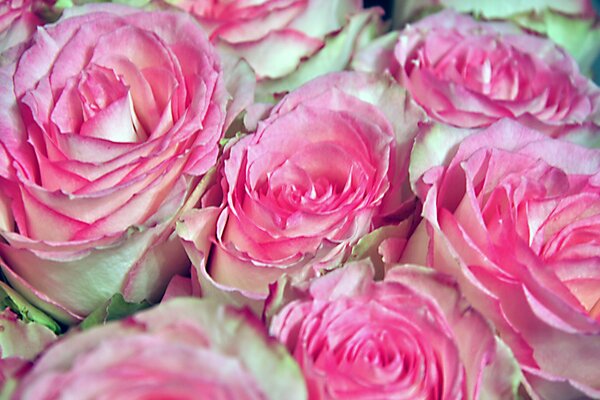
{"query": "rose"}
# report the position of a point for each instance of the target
(107, 122)
(513, 216)
(287, 42)
(411, 336)
(571, 24)
(186, 349)
(315, 177)
(470, 74)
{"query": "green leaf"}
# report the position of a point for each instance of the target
(26, 312)
(115, 308)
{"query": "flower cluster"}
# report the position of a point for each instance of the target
(279, 199)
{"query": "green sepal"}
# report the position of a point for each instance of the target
(225, 141)
(115, 308)
(25, 310)
(368, 246)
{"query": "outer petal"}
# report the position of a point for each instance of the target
(203, 331)
(22, 339)
(579, 36)
(334, 56)
(517, 289)
(455, 67)
(326, 323)
(277, 54)
(92, 207)
(491, 370)
(363, 123)
(105, 267)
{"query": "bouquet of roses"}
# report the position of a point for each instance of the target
(299, 199)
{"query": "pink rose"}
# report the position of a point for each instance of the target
(572, 24)
(470, 74)
(287, 42)
(411, 336)
(319, 173)
(109, 119)
(184, 349)
(514, 217)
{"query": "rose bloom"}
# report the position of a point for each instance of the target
(313, 179)
(411, 336)
(470, 74)
(108, 119)
(286, 42)
(513, 216)
(184, 349)
(569, 23)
